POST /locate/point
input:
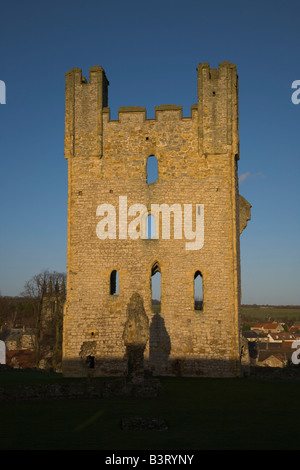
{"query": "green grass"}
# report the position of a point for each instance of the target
(201, 414)
(260, 313)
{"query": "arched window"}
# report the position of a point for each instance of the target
(152, 169)
(114, 283)
(155, 287)
(150, 226)
(198, 291)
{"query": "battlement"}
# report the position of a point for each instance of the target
(216, 112)
(215, 74)
(79, 79)
(218, 108)
(166, 111)
(83, 115)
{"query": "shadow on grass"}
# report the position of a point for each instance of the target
(200, 413)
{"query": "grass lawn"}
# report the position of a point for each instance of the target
(201, 414)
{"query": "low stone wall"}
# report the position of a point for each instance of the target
(82, 389)
(52, 391)
(271, 373)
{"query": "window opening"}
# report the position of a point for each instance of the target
(152, 169)
(150, 226)
(198, 291)
(114, 283)
(156, 288)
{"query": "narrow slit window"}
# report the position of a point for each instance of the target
(198, 291)
(156, 288)
(114, 283)
(150, 226)
(152, 169)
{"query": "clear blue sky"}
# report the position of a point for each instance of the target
(150, 51)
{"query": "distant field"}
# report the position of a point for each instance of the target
(262, 313)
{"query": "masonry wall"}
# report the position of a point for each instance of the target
(197, 164)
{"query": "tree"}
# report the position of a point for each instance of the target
(16, 312)
(39, 289)
(35, 287)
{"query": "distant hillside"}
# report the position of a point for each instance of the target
(284, 313)
(19, 311)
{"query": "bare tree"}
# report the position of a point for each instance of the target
(36, 289)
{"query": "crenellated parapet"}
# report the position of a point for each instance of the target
(162, 112)
(216, 111)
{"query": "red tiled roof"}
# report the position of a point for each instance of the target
(266, 326)
(24, 357)
(284, 336)
(294, 329)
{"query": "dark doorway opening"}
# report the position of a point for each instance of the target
(91, 362)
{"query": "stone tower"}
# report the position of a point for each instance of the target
(198, 216)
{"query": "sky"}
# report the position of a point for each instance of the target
(150, 51)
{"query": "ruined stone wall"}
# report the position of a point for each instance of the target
(197, 164)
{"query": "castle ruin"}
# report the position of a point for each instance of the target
(198, 217)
